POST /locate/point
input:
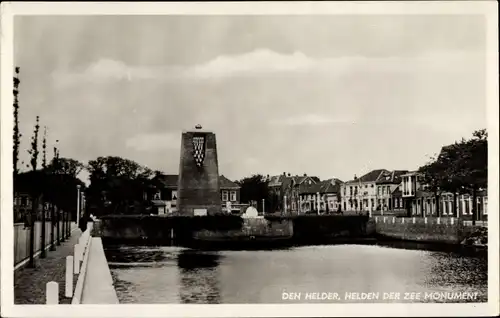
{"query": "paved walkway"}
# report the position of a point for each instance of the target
(30, 283)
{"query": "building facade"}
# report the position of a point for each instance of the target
(360, 194)
(286, 189)
(163, 194)
(420, 202)
(320, 198)
(388, 198)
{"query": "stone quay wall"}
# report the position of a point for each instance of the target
(429, 230)
(181, 230)
(258, 227)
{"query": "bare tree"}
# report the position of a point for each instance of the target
(44, 179)
(34, 193)
(17, 135)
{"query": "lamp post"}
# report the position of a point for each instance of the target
(78, 205)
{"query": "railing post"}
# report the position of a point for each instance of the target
(69, 276)
(52, 293)
(76, 259)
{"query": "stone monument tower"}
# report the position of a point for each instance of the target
(198, 186)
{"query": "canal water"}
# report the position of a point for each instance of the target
(308, 274)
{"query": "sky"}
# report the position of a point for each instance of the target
(330, 96)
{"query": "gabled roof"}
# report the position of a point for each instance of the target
(371, 176)
(392, 177)
(397, 192)
(167, 180)
(225, 183)
(311, 189)
(276, 181)
(285, 180)
(326, 186)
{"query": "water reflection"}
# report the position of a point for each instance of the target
(175, 275)
(199, 279)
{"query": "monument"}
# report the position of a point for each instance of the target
(198, 191)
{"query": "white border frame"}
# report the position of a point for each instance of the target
(9, 9)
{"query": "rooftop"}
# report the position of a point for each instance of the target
(170, 181)
(392, 177)
(371, 176)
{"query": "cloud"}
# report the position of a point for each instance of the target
(311, 119)
(154, 142)
(258, 61)
(266, 62)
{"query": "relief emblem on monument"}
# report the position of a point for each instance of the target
(199, 150)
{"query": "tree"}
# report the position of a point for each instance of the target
(66, 166)
(461, 168)
(255, 188)
(17, 135)
(450, 183)
(117, 183)
(44, 166)
(35, 190)
(434, 176)
(471, 169)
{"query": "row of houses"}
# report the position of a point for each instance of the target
(378, 192)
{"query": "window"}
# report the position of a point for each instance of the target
(485, 207)
(224, 196)
(373, 203)
(467, 206)
(233, 196)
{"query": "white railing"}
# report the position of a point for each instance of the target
(75, 264)
(427, 220)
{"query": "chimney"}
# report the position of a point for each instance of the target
(289, 174)
(355, 178)
(305, 174)
(284, 174)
